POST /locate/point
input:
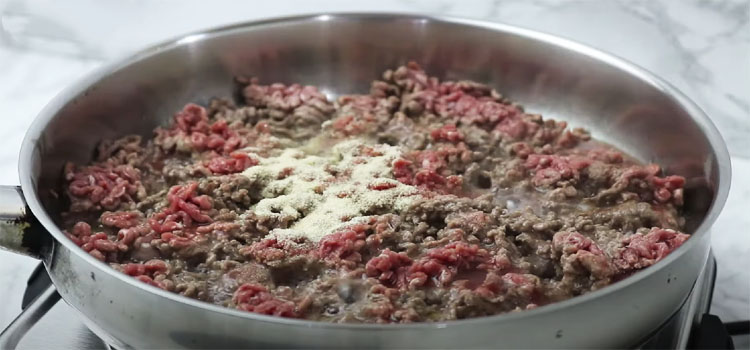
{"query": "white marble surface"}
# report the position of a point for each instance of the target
(702, 47)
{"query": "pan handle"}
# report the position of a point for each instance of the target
(12, 335)
(20, 232)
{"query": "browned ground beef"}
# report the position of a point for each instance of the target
(444, 201)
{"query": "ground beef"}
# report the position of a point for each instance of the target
(507, 211)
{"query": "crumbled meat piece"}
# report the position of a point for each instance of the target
(645, 182)
(447, 133)
(579, 252)
(192, 131)
(292, 111)
(271, 249)
(389, 267)
(343, 247)
(639, 251)
(122, 219)
(233, 163)
(256, 298)
(549, 169)
(103, 186)
(442, 264)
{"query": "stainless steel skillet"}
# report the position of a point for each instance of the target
(341, 53)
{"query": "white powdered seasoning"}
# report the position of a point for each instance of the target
(323, 194)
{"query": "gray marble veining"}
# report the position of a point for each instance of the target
(701, 46)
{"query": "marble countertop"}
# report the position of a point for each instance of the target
(702, 47)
